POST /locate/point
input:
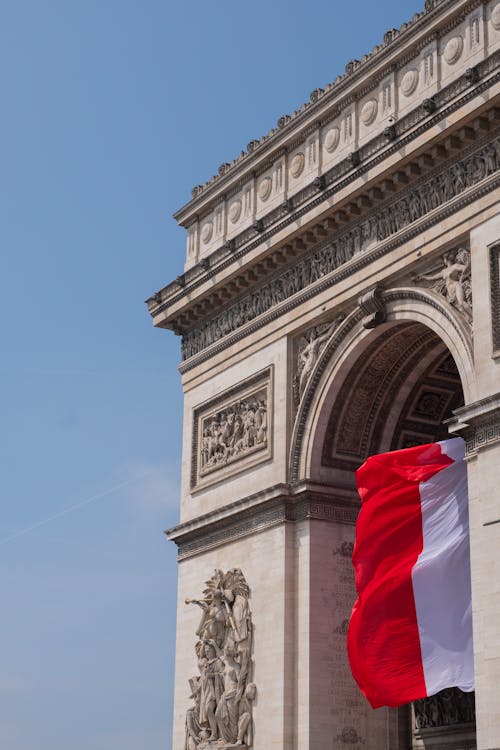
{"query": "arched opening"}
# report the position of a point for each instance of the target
(380, 390)
(397, 393)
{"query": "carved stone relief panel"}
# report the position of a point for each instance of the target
(447, 708)
(222, 691)
(388, 219)
(451, 278)
(495, 298)
(233, 431)
(307, 351)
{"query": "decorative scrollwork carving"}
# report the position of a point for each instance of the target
(372, 304)
(223, 692)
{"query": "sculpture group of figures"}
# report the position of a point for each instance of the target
(231, 433)
(223, 692)
(449, 707)
(424, 197)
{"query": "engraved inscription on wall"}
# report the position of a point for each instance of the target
(233, 431)
(349, 725)
(495, 298)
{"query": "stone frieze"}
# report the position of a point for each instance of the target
(449, 707)
(380, 225)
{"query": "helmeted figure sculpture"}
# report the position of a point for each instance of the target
(223, 694)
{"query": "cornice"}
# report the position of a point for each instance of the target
(408, 129)
(274, 506)
(478, 423)
(323, 100)
(357, 263)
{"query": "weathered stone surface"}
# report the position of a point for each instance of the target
(340, 298)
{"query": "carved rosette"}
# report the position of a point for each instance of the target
(222, 691)
(452, 280)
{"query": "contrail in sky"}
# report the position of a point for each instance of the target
(71, 508)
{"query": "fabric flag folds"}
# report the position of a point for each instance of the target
(410, 633)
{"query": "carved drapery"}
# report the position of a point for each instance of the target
(222, 691)
(309, 348)
(380, 225)
(452, 279)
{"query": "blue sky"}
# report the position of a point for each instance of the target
(111, 111)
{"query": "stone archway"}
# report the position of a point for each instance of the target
(398, 394)
(366, 376)
(376, 390)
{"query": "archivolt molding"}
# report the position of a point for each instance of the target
(404, 304)
(330, 356)
(428, 307)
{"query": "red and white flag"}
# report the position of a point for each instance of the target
(410, 633)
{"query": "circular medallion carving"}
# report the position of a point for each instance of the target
(206, 232)
(297, 164)
(332, 139)
(265, 188)
(453, 49)
(234, 212)
(495, 16)
(409, 82)
(369, 111)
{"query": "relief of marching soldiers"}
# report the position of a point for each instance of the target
(234, 431)
(223, 693)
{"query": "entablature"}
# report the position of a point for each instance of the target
(275, 506)
(342, 202)
(367, 105)
(376, 69)
(425, 117)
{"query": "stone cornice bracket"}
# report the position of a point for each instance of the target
(372, 304)
(478, 423)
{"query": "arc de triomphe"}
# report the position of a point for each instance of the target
(340, 298)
